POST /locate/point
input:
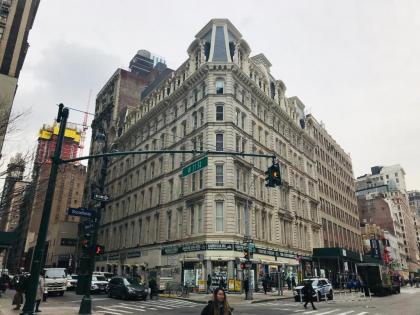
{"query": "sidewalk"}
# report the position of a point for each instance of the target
(235, 298)
(47, 308)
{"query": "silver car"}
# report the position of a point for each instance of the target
(322, 287)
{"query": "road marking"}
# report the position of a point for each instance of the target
(112, 310)
(138, 305)
(362, 313)
(108, 312)
(345, 313)
(310, 312)
(158, 306)
(130, 308)
(337, 309)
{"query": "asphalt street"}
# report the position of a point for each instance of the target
(406, 303)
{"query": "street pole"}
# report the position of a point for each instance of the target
(249, 294)
(28, 308)
(86, 303)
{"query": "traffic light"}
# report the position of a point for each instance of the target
(242, 266)
(99, 249)
(273, 176)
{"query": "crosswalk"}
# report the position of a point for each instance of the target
(289, 308)
(143, 307)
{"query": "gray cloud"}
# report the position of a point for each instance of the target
(353, 63)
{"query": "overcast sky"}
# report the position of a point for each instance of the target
(354, 64)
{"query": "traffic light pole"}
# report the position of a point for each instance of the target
(86, 303)
(36, 265)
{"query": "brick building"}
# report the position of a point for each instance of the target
(62, 235)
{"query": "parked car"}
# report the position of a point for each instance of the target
(107, 275)
(126, 288)
(71, 282)
(98, 284)
(321, 286)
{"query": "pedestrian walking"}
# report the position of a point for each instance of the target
(264, 284)
(222, 282)
(4, 282)
(218, 305)
(39, 292)
(309, 291)
(20, 286)
(293, 281)
(246, 287)
(289, 283)
(209, 283)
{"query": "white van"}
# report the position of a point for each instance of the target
(56, 280)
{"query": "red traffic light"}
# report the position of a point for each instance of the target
(99, 250)
(242, 266)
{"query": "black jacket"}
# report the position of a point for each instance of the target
(308, 291)
(209, 309)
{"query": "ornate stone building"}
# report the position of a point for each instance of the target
(186, 227)
(337, 190)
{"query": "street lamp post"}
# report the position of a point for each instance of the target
(28, 308)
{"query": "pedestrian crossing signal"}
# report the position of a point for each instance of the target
(99, 249)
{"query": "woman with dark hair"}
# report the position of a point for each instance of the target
(219, 305)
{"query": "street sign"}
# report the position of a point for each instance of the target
(88, 226)
(103, 198)
(81, 212)
(194, 167)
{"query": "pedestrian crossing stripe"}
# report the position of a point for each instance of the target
(108, 310)
(313, 312)
(127, 308)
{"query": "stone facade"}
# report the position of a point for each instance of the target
(220, 99)
(337, 191)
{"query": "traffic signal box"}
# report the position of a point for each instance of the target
(273, 176)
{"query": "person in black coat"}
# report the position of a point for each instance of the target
(309, 291)
(218, 305)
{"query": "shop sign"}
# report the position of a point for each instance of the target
(114, 256)
(172, 250)
(193, 248)
(219, 246)
(239, 247)
(133, 254)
